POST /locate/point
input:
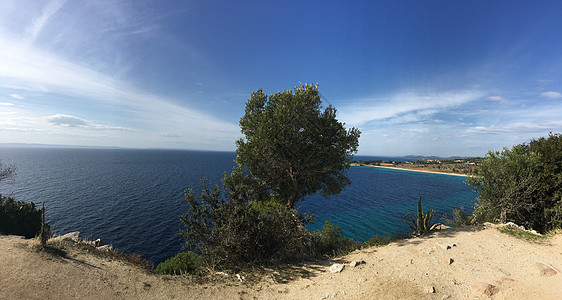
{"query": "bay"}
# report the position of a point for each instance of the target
(132, 198)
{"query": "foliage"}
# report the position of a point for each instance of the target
(460, 218)
(381, 240)
(522, 234)
(294, 147)
(19, 217)
(329, 241)
(184, 262)
(6, 171)
(236, 229)
(420, 223)
(522, 184)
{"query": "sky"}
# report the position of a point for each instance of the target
(415, 77)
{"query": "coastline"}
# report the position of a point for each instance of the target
(412, 170)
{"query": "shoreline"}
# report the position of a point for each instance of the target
(412, 170)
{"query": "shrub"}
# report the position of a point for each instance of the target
(460, 218)
(19, 217)
(381, 240)
(330, 242)
(184, 262)
(240, 228)
(522, 184)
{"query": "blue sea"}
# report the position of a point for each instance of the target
(132, 198)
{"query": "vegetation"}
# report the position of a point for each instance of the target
(19, 218)
(460, 218)
(294, 147)
(420, 223)
(291, 148)
(329, 241)
(522, 184)
(184, 262)
(522, 234)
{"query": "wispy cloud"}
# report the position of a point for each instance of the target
(551, 95)
(39, 23)
(6, 104)
(404, 107)
(16, 96)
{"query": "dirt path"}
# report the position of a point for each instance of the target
(409, 269)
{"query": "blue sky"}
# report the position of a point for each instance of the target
(416, 77)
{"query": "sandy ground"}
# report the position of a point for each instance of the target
(414, 170)
(419, 268)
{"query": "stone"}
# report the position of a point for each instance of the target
(446, 296)
(429, 289)
(73, 236)
(355, 263)
(240, 277)
(484, 288)
(411, 262)
(98, 243)
(447, 261)
(443, 246)
(106, 248)
(336, 268)
(362, 279)
(543, 270)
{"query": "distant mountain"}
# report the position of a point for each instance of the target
(25, 145)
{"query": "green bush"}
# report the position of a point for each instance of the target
(460, 218)
(184, 262)
(330, 242)
(241, 227)
(381, 240)
(522, 184)
(19, 217)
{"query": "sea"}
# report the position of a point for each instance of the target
(132, 199)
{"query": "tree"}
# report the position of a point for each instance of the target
(6, 172)
(522, 184)
(293, 146)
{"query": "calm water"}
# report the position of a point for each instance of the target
(132, 198)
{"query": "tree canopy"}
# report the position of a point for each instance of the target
(293, 146)
(522, 184)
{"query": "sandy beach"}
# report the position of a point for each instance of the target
(412, 170)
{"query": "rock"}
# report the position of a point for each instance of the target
(362, 279)
(447, 261)
(429, 289)
(336, 268)
(73, 236)
(513, 225)
(443, 246)
(446, 296)
(98, 243)
(543, 270)
(240, 277)
(411, 262)
(355, 263)
(484, 288)
(106, 248)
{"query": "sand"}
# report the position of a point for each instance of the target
(417, 268)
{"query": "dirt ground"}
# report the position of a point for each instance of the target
(454, 263)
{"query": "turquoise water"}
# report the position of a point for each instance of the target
(132, 198)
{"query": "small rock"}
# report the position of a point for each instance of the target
(73, 236)
(443, 246)
(484, 288)
(355, 263)
(106, 248)
(98, 243)
(447, 261)
(429, 289)
(446, 297)
(543, 270)
(222, 273)
(240, 277)
(362, 279)
(336, 268)
(411, 261)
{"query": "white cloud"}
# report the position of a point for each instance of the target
(38, 23)
(539, 128)
(405, 107)
(16, 96)
(72, 121)
(551, 95)
(6, 104)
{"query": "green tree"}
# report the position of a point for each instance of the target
(522, 184)
(293, 146)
